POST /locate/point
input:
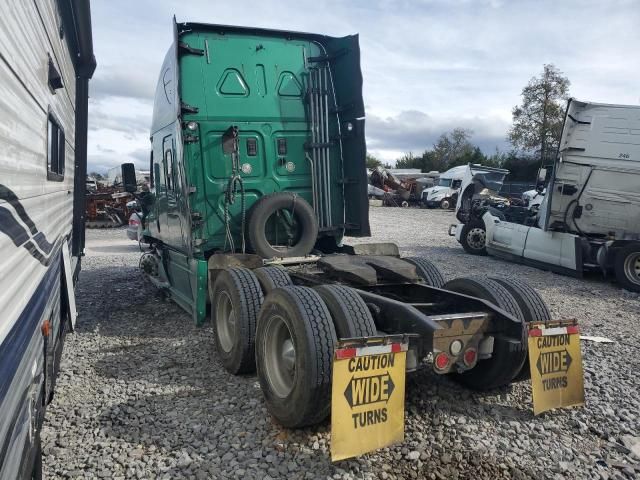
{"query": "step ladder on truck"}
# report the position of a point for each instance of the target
(257, 174)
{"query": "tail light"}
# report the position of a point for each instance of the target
(470, 357)
(441, 361)
(134, 222)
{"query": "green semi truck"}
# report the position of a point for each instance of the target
(257, 175)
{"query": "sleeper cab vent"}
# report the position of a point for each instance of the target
(282, 146)
(252, 147)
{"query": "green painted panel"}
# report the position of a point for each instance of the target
(258, 81)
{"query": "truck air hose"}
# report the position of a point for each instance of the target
(234, 186)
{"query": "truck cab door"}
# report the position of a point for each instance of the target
(172, 218)
(503, 237)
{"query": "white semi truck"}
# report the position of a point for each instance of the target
(589, 218)
(445, 193)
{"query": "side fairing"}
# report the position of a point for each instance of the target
(345, 53)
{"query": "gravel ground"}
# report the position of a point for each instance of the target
(142, 395)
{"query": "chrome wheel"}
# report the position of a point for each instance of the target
(445, 204)
(476, 238)
(632, 267)
(279, 356)
(225, 322)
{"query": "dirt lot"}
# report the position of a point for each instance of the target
(142, 395)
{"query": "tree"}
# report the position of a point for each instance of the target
(97, 176)
(453, 148)
(373, 162)
(537, 123)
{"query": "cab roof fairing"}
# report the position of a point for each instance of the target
(166, 108)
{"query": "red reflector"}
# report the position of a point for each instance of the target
(470, 357)
(134, 222)
(441, 361)
(344, 353)
(535, 332)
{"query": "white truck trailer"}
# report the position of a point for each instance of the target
(589, 218)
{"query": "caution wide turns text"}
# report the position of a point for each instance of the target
(556, 369)
(367, 405)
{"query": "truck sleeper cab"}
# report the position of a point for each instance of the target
(254, 132)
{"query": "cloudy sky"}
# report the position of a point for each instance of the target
(428, 65)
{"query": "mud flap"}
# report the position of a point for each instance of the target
(68, 281)
(367, 399)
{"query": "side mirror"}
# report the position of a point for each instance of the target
(542, 175)
(542, 179)
(129, 181)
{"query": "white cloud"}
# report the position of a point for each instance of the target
(428, 65)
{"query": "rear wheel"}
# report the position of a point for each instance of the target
(272, 277)
(507, 358)
(295, 341)
(473, 238)
(349, 312)
(235, 302)
(427, 271)
(627, 267)
(533, 308)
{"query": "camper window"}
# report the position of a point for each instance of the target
(55, 150)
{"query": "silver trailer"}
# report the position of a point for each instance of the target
(589, 218)
(46, 60)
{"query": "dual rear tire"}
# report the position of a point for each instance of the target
(509, 361)
(288, 335)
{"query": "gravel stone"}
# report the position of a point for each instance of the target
(141, 393)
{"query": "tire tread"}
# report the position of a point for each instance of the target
(427, 271)
(250, 294)
(359, 322)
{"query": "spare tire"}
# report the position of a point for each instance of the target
(282, 217)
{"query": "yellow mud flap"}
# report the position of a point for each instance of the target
(367, 399)
(556, 365)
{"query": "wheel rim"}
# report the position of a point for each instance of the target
(476, 238)
(283, 230)
(445, 204)
(632, 268)
(279, 356)
(225, 322)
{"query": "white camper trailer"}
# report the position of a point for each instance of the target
(46, 60)
(589, 217)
